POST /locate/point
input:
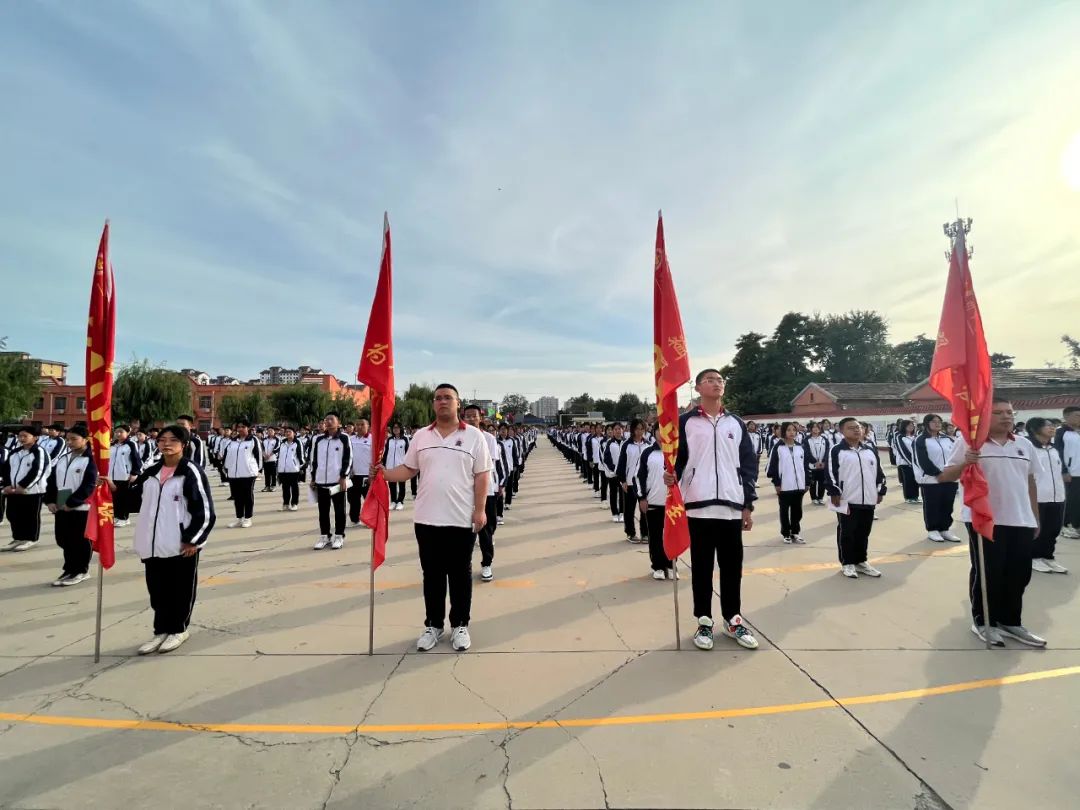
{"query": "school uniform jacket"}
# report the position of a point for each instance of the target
(394, 452)
(649, 480)
(77, 473)
(626, 469)
(243, 458)
(498, 469)
(715, 465)
(291, 458)
(29, 469)
(124, 461)
(788, 467)
(508, 452)
(1067, 442)
(1049, 486)
(817, 451)
(931, 455)
(179, 511)
(903, 447)
(609, 457)
(270, 448)
(196, 449)
(331, 459)
(855, 475)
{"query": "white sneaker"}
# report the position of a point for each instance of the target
(703, 639)
(485, 573)
(152, 645)
(173, 641)
(1056, 567)
(245, 523)
(787, 540)
(429, 638)
(1040, 565)
(868, 569)
(995, 637)
(460, 640)
(658, 574)
(936, 536)
(1070, 533)
(849, 571)
(798, 540)
(293, 508)
(740, 632)
(235, 524)
(60, 580)
(75, 579)
(952, 538)
(322, 542)
(338, 541)
(499, 521)
(616, 519)
(1021, 634)
(23, 546)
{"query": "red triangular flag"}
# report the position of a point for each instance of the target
(100, 353)
(671, 367)
(377, 372)
(961, 373)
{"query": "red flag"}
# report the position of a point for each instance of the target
(671, 366)
(377, 372)
(100, 352)
(960, 372)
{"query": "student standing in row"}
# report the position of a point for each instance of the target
(27, 475)
(242, 463)
(904, 448)
(626, 472)
(788, 471)
(817, 456)
(70, 486)
(171, 531)
(509, 452)
(856, 484)
(486, 535)
(1067, 442)
(1008, 462)
(717, 471)
(609, 461)
(270, 445)
(291, 464)
(1050, 491)
(394, 456)
(652, 492)
(196, 447)
(125, 464)
(331, 465)
(932, 450)
(361, 464)
(453, 460)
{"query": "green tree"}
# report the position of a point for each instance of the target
(915, 357)
(299, 404)
(627, 406)
(742, 392)
(855, 348)
(580, 404)
(1072, 346)
(253, 406)
(514, 404)
(606, 407)
(345, 406)
(149, 394)
(999, 360)
(20, 386)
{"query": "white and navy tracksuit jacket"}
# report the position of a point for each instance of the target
(29, 468)
(931, 456)
(1067, 442)
(817, 451)
(903, 448)
(124, 460)
(290, 457)
(1048, 481)
(77, 473)
(716, 465)
(178, 511)
(196, 449)
(626, 470)
(649, 480)
(855, 474)
(243, 458)
(788, 467)
(331, 459)
(394, 452)
(270, 447)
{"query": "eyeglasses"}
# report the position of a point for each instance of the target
(713, 380)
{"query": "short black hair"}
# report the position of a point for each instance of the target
(448, 385)
(1035, 424)
(242, 423)
(186, 417)
(124, 428)
(334, 414)
(472, 406)
(930, 417)
(704, 371)
(847, 419)
(182, 434)
(79, 430)
(33, 430)
(1070, 409)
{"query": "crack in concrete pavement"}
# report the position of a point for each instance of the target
(605, 614)
(505, 772)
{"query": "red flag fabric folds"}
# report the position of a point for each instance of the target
(100, 353)
(377, 372)
(961, 373)
(671, 368)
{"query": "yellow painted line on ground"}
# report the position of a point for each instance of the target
(584, 722)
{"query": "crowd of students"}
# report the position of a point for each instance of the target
(1032, 472)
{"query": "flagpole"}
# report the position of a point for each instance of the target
(982, 587)
(371, 600)
(97, 627)
(675, 592)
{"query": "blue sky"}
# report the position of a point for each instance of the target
(805, 156)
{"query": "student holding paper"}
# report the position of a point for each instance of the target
(856, 485)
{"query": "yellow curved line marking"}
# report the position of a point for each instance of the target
(584, 722)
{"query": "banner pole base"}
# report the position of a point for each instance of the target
(97, 626)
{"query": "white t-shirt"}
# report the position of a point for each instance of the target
(447, 471)
(1007, 468)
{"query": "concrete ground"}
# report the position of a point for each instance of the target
(864, 694)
